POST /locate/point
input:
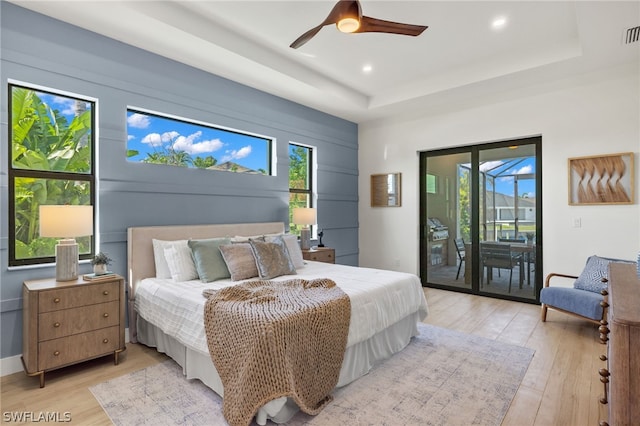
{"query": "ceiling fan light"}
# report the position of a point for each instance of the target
(348, 25)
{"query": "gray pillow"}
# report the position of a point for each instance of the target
(240, 261)
(208, 260)
(272, 259)
(596, 269)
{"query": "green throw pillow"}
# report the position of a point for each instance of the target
(208, 259)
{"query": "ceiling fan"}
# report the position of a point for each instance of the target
(347, 15)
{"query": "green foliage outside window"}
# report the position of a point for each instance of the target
(299, 181)
(51, 163)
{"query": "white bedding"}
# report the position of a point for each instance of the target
(379, 299)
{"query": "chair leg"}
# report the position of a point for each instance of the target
(543, 313)
(459, 266)
(510, 277)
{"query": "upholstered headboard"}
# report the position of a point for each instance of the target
(140, 260)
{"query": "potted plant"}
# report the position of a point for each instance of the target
(100, 262)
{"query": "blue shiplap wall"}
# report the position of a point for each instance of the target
(39, 50)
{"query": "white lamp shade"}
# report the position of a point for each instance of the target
(304, 216)
(66, 221)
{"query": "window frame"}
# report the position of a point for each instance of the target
(271, 141)
(310, 190)
(14, 173)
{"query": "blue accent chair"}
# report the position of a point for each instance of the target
(588, 296)
(585, 304)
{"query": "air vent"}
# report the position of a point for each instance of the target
(631, 35)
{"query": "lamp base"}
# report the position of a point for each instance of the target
(67, 265)
(305, 238)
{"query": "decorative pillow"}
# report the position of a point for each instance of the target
(240, 261)
(162, 268)
(180, 263)
(594, 271)
(272, 259)
(208, 260)
(291, 240)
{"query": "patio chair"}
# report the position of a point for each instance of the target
(499, 255)
(460, 249)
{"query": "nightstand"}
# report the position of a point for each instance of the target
(320, 254)
(67, 322)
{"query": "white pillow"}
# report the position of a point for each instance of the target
(180, 263)
(162, 268)
(291, 241)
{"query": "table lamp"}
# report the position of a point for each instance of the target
(66, 222)
(304, 216)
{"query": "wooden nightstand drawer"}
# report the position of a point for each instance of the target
(67, 350)
(321, 254)
(70, 297)
(66, 322)
(56, 324)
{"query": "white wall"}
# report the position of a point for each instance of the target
(597, 113)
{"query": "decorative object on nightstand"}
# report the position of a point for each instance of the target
(66, 222)
(100, 263)
(304, 216)
(320, 235)
(68, 322)
(320, 254)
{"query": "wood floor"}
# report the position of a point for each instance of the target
(561, 387)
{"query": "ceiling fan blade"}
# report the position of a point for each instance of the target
(306, 37)
(341, 9)
(373, 25)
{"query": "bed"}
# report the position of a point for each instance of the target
(168, 315)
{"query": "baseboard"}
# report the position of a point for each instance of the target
(10, 365)
(13, 364)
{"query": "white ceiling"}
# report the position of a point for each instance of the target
(459, 58)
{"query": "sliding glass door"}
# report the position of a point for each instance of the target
(481, 219)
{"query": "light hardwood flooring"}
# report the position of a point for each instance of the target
(561, 386)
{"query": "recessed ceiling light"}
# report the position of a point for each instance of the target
(367, 69)
(499, 23)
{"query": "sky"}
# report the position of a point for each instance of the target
(148, 133)
(504, 185)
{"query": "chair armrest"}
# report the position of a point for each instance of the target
(554, 274)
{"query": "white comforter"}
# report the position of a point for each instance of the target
(379, 299)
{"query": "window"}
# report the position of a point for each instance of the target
(157, 139)
(300, 180)
(52, 162)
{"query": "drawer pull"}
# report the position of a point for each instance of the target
(106, 292)
(105, 340)
(56, 324)
(56, 353)
(56, 300)
(106, 315)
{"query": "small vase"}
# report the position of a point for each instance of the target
(100, 269)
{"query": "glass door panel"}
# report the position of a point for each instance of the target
(507, 231)
(446, 220)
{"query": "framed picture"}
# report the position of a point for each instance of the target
(601, 179)
(386, 190)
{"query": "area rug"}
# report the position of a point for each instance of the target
(442, 377)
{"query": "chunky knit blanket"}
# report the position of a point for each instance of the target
(270, 339)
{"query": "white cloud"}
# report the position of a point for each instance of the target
(191, 145)
(138, 121)
(236, 154)
(130, 137)
(524, 170)
(153, 139)
(170, 136)
(490, 165)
